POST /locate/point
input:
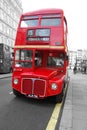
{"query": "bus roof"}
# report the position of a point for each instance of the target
(44, 11)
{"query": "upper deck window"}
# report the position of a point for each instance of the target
(29, 21)
(51, 22)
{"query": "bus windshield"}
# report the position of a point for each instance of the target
(23, 58)
(55, 62)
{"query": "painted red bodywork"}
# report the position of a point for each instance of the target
(37, 81)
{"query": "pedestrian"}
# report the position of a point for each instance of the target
(84, 69)
(75, 69)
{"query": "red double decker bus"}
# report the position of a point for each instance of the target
(40, 55)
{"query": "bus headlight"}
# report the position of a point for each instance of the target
(54, 86)
(15, 81)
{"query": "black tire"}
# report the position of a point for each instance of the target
(58, 98)
(16, 93)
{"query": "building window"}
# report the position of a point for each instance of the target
(8, 30)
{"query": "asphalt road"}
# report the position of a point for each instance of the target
(30, 114)
(22, 113)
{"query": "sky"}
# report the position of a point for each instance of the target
(75, 13)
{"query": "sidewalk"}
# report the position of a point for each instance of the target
(74, 115)
(5, 75)
(66, 119)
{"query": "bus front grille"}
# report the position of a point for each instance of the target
(27, 86)
(34, 86)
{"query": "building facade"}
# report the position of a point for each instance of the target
(10, 11)
(79, 58)
(72, 58)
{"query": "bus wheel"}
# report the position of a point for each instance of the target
(16, 93)
(58, 98)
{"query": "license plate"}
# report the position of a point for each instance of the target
(32, 96)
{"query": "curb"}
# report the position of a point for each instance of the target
(5, 76)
